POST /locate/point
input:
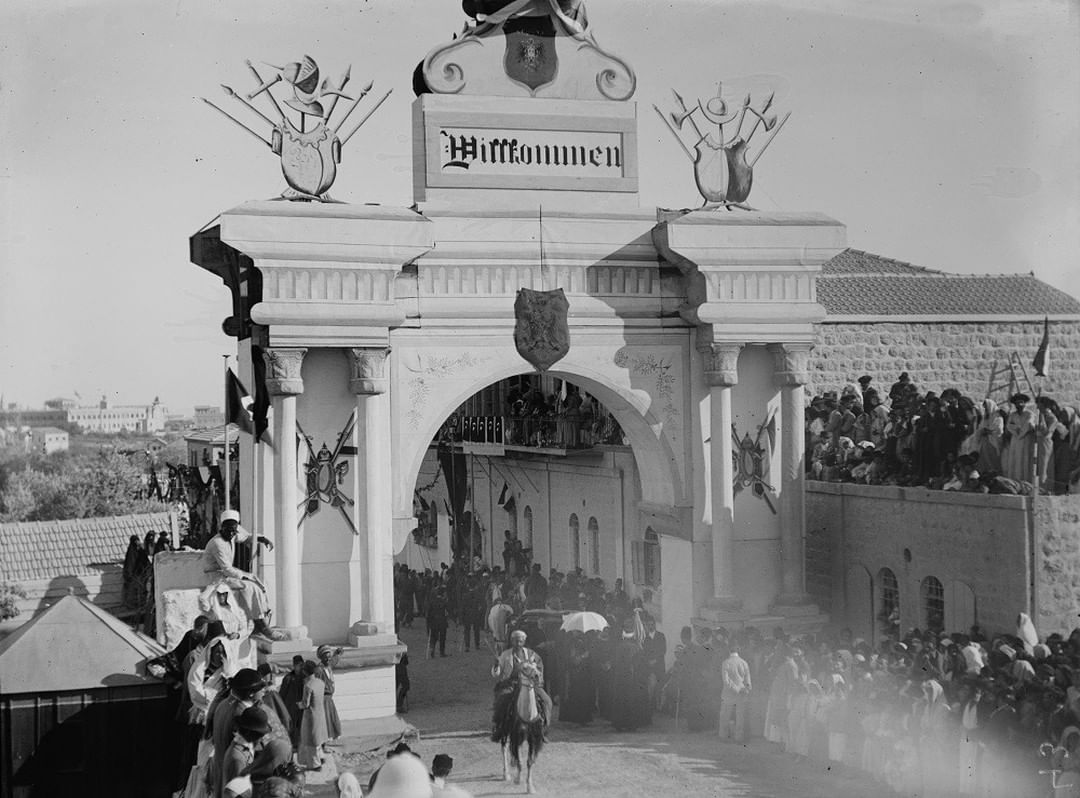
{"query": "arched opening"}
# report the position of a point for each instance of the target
(888, 610)
(546, 440)
(623, 416)
(859, 601)
(575, 542)
(594, 546)
(961, 611)
(933, 601)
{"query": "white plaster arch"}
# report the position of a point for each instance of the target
(656, 462)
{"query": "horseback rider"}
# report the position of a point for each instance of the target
(516, 666)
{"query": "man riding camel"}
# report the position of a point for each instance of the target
(517, 665)
(218, 567)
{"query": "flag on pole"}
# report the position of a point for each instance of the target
(261, 406)
(1042, 357)
(238, 404)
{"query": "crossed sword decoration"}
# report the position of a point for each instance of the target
(323, 465)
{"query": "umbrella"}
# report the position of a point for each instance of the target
(584, 622)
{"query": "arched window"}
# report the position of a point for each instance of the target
(889, 602)
(594, 546)
(527, 537)
(933, 596)
(575, 542)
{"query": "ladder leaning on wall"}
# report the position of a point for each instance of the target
(1007, 378)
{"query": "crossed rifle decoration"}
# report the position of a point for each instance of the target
(325, 471)
(749, 460)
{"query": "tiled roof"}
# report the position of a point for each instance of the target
(47, 549)
(856, 283)
(214, 435)
(855, 261)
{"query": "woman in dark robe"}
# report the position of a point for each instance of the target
(629, 683)
(292, 691)
(579, 701)
(601, 652)
(133, 593)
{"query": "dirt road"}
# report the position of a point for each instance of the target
(450, 704)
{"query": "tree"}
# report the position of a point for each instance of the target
(83, 486)
(9, 600)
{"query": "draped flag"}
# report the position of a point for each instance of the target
(244, 410)
(261, 407)
(1042, 357)
(238, 404)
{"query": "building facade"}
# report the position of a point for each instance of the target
(47, 440)
(109, 418)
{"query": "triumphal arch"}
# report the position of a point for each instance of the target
(528, 247)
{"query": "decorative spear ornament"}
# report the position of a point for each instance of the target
(723, 168)
(309, 157)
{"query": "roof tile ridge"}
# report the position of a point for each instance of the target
(886, 259)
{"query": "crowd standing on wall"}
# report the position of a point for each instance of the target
(943, 442)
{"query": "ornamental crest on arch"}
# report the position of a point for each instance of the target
(530, 57)
(541, 330)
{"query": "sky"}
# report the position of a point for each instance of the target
(941, 133)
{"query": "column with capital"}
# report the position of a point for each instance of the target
(792, 373)
(369, 382)
(284, 383)
(722, 374)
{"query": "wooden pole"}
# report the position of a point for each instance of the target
(226, 476)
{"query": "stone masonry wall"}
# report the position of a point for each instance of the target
(976, 545)
(1057, 563)
(940, 355)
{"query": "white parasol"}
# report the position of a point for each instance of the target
(584, 622)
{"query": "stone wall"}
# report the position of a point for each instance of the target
(976, 546)
(939, 355)
(1057, 563)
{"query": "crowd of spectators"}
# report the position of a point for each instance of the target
(933, 714)
(944, 441)
(568, 418)
(613, 673)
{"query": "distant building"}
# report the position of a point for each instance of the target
(17, 418)
(119, 418)
(178, 422)
(206, 447)
(48, 440)
(207, 416)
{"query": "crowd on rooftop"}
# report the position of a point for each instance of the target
(945, 441)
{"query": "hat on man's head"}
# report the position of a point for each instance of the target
(230, 515)
(253, 720)
(246, 680)
(865, 379)
(442, 763)
(1019, 397)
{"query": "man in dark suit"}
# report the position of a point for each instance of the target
(654, 646)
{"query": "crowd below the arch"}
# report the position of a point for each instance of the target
(929, 714)
(945, 441)
(924, 712)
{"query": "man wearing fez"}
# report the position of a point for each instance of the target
(218, 566)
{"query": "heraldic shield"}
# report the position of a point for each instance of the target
(530, 51)
(541, 333)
